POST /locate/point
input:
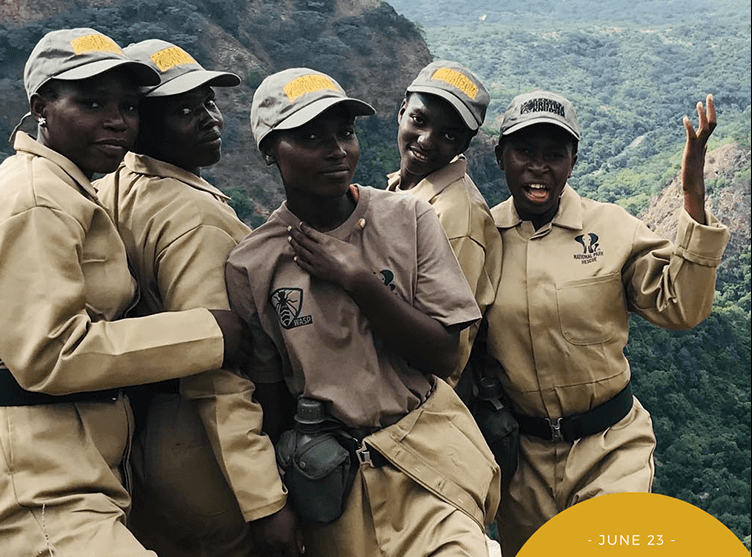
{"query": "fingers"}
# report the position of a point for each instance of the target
(689, 128)
(712, 121)
(707, 121)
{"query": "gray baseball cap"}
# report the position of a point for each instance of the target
(178, 71)
(293, 97)
(73, 54)
(457, 85)
(540, 107)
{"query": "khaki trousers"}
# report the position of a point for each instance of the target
(554, 476)
(182, 504)
(390, 515)
(61, 468)
(389, 512)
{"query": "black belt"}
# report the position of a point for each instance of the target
(12, 394)
(360, 451)
(570, 428)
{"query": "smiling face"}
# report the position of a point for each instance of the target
(319, 158)
(184, 130)
(431, 133)
(92, 122)
(537, 161)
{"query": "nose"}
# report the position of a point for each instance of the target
(211, 118)
(115, 117)
(336, 148)
(538, 164)
(426, 139)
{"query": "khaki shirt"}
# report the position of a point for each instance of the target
(559, 323)
(310, 333)
(64, 284)
(468, 224)
(178, 230)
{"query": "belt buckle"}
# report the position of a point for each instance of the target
(364, 455)
(555, 428)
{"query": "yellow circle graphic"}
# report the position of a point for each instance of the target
(633, 524)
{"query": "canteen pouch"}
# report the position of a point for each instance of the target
(502, 433)
(318, 474)
(489, 408)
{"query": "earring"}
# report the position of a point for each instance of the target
(42, 122)
(269, 160)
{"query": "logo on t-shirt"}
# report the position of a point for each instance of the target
(288, 302)
(591, 250)
(387, 277)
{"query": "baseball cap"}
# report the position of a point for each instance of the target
(178, 71)
(540, 107)
(458, 85)
(73, 54)
(295, 96)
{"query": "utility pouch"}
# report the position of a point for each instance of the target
(501, 431)
(318, 473)
(489, 408)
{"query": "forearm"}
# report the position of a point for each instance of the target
(421, 340)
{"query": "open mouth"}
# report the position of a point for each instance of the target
(536, 192)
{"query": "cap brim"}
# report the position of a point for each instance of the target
(143, 73)
(308, 113)
(458, 105)
(541, 120)
(191, 80)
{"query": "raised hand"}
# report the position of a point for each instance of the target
(693, 160)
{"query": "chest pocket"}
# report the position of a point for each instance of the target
(592, 309)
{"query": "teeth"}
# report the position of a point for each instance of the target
(537, 187)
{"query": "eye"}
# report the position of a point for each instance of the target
(554, 155)
(451, 137)
(347, 133)
(92, 104)
(417, 119)
(185, 111)
(130, 107)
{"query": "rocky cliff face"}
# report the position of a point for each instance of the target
(727, 183)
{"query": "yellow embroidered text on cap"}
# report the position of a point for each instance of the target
(94, 43)
(308, 84)
(456, 79)
(171, 57)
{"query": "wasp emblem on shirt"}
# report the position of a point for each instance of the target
(288, 303)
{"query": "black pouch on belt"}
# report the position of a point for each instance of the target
(319, 472)
(497, 424)
(488, 406)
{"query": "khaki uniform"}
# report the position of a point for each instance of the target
(64, 283)
(559, 326)
(468, 224)
(178, 230)
(313, 336)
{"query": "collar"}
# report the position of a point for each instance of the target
(26, 144)
(344, 231)
(148, 166)
(436, 181)
(569, 214)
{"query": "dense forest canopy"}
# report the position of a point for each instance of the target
(633, 70)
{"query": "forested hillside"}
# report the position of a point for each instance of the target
(633, 70)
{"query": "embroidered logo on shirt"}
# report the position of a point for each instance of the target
(591, 250)
(288, 302)
(387, 277)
